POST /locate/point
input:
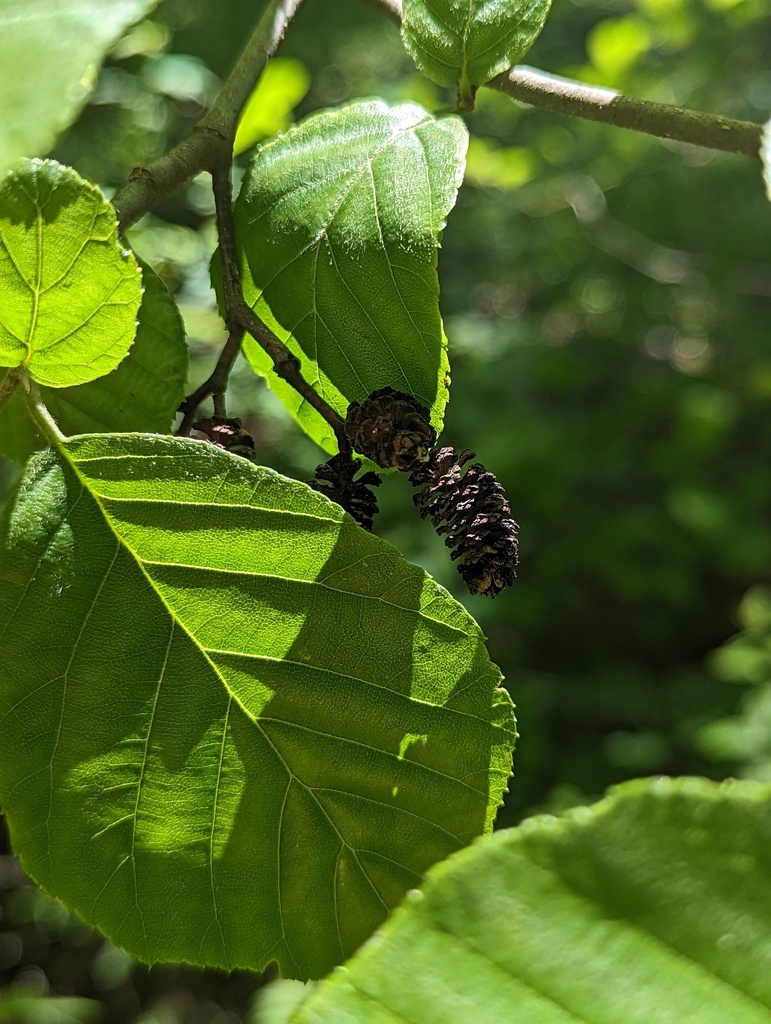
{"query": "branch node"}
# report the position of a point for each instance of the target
(286, 365)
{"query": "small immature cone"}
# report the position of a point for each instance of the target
(336, 479)
(391, 428)
(227, 433)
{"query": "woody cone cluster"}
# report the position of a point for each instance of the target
(336, 479)
(468, 507)
(390, 428)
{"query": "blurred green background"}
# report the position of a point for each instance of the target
(607, 297)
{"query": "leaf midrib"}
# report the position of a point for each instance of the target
(107, 499)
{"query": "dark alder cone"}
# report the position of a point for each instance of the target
(227, 433)
(336, 479)
(472, 511)
(391, 428)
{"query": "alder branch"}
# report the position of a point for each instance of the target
(240, 319)
(593, 103)
(211, 140)
(209, 147)
(565, 96)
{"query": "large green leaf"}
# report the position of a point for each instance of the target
(50, 51)
(339, 223)
(652, 907)
(142, 393)
(765, 155)
(69, 292)
(472, 41)
(241, 727)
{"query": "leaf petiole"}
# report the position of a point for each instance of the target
(42, 417)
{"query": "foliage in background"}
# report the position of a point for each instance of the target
(75, 40)
(743, 741)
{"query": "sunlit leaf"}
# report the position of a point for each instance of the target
(142, 393)
(339, 223)
(50, 52)
(146, 389)
(765, 154)
(651, 906)
(257, 726)
(276, 1002)
(471, 42)
(69, 293)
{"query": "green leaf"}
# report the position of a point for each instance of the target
(282, 85)
(765, 155)
(19, 436)
(146, 389)
(143, 393)
(470, 42)
(651, 906)
(69, 293)
(257, 725)
(339, 223)
(50, 51)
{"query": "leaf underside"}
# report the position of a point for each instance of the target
(142, 393)
(472, 41)
(338, 224)
(69, 292)
(651, 906)
(146, 389)
(258, 725)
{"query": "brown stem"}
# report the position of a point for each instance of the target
(241, 319)
(210, 147)
(212, 138)
(564, 96)
(213, 386)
